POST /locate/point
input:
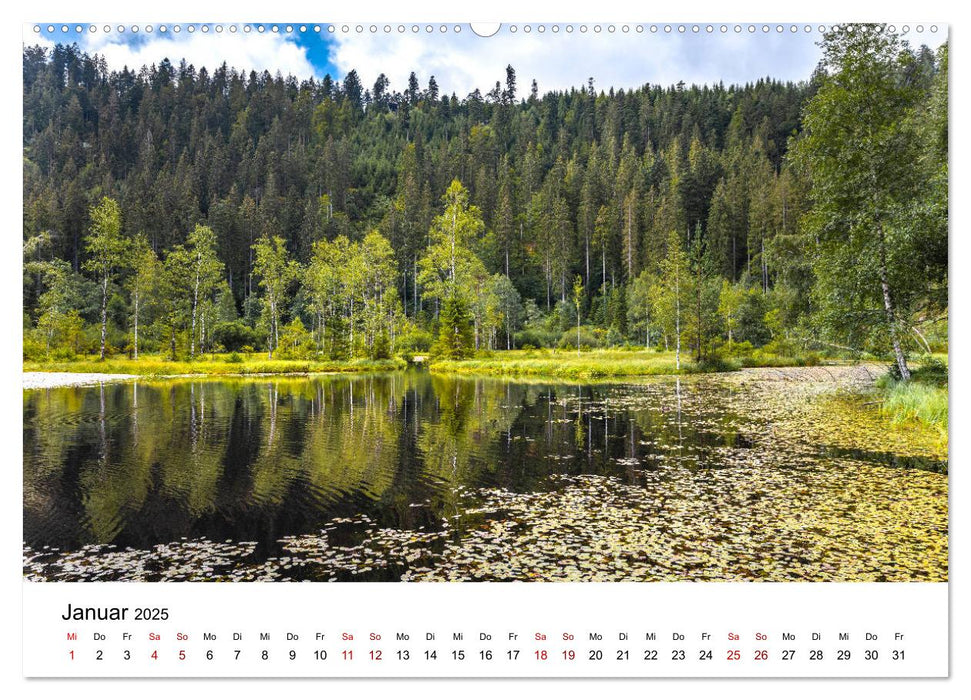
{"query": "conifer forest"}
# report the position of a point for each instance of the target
(184, 212)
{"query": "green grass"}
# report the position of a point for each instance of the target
(916, 401)
(254, 363)
(923, 401)
(593, 364)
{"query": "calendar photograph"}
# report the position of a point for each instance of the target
(387, 302)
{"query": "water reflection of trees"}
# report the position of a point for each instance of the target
(109, 458)
(150, 460)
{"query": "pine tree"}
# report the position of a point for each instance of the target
(455, 339)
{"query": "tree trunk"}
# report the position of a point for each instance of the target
(195, 305)
(603, 268)
(452, 269)
(276, 329)
(586, 244)
(891, 315)
(104, 314)
(630, 244)
(137, 297)
(272, 334)
(677, 319)
(578, 331)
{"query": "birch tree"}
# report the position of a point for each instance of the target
(275, 271)
(106, 247)
(143, 280)
(578, 304)
(449, 265)
(669, 291)
(206, 273)
(639, 315)
(861, 152)
(379, 296)
(329, 287)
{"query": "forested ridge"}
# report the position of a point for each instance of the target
(189, 211)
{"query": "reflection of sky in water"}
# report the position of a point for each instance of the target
(425, 477)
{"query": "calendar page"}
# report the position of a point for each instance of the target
(429, 349)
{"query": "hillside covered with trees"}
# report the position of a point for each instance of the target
(181, 211)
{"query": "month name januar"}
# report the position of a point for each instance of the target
(76, 613)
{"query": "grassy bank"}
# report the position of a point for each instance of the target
(256, 363)
(566, 364)
(921, 401)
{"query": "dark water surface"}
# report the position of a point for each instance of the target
(412, 475)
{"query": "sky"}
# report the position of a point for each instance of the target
(556, 56)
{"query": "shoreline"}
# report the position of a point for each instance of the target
(53, 380)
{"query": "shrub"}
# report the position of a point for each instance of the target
(454, 329)
(415, 342)
(535, 338)
(587, 339)
(33, 349)
(235, 336)
(614, 337)
(63, 354)
(783, 347)
(811, 359)
(931, 371)
(296, 342)
(381, 350)
(715, 363)
(736, 349)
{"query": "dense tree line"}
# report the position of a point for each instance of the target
(193, 211)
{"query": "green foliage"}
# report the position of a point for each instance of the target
(873, 258)
(639, 316)
(717, 363)
(416, 341)
(673, 217)
(923, 399)
(207, 271)
(353, 295)
(381, 348)
(106, 248)
(295, 342)
(455, 339)
(275, 271)
(931, 370)
(502, 313)
(585, 335)
(234, 336)
(536, 338)
(670, 293)
(159, 366)
(449, 267)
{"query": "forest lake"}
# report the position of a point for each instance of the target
(763, 474)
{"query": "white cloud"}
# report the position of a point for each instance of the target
(251, 51)
(462, 62)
